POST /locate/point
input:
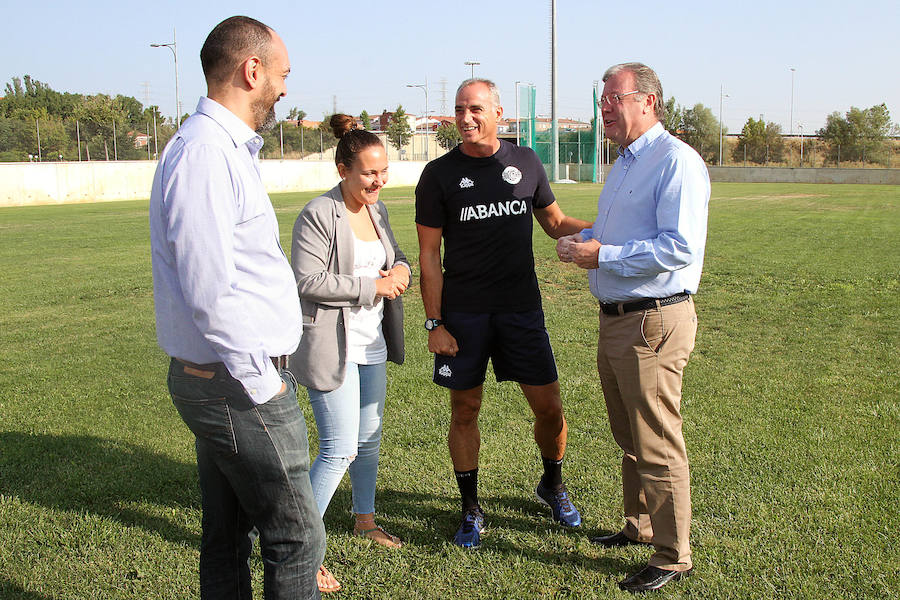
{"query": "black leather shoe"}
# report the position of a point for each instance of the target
(651, 578)
(615, 540)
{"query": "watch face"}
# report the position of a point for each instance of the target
(431, 324)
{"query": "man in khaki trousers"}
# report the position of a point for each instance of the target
(644, 253)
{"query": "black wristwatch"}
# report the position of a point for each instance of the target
(431, 324)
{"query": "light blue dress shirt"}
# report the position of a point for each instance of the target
(223, 288)
(651, 221)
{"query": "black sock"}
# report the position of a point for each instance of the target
(468, 488)
(552, 478)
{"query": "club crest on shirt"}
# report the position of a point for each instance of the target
(512, 175)
(465, 182)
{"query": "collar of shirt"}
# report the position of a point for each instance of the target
(240, 132)
(639, 145)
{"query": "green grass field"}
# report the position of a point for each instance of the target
(791, 406)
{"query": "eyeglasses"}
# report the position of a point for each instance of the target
(616, 98)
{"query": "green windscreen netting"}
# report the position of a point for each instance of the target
(576, 143)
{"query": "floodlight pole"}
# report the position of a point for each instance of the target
(598, 123)
(472, 63)
(173, 46)
(722, 95)
(424, 88)
(518, 124)
(554, 122)
(38, 127)
(791, 124)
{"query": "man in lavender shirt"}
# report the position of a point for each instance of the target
(227, 313)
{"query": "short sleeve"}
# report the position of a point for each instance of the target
(429, 200)
(543, 195)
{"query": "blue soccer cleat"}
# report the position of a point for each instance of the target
(470, 529)
(564, 512)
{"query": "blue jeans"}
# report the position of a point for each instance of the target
(253, 466)
(349, 424)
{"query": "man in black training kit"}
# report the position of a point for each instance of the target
(485, 302)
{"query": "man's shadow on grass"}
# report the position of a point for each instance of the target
(396, 508)
(11, 591)
(108, 478)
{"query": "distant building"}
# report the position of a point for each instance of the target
(305, 123)
(140, 139)
(543, 124)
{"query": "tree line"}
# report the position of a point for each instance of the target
(860, 135)
(37, 121)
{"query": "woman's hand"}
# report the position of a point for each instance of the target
(392, 283)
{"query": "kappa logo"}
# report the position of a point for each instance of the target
(445, 371)
(512, 175)
(465, 182)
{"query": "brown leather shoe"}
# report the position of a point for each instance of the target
(615, 540)
(651, 578)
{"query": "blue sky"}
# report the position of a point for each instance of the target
(362, 54)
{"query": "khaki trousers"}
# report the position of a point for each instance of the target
(641, 356)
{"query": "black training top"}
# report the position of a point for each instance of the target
(484, 206)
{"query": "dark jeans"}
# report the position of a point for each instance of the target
(253, 465)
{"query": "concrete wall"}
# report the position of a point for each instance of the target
(798, 175)
(764, 174)
(24, 184)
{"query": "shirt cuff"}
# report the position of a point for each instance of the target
(607, 256)
(263, 388)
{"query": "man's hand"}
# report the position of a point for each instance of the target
(392, 283)
(440, 341)
(586, 254)
(564, 246)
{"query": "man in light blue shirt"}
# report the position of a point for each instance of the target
(644, 253)
(227, 313)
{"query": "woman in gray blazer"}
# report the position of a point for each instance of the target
(350, 274)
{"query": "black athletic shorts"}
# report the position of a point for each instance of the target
(517, 344)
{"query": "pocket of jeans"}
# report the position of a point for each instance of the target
(209, 420)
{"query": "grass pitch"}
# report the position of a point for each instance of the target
(792, 419)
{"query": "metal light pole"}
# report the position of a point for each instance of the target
(472, 63)
(173, 46)
(800, 127)
(791, 124)
(598, 123)
(554, 122)
(722, 95)
(424, 88)
(38, 126)
(518, 124)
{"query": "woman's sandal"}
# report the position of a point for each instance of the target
(385, 539)
(326, 581)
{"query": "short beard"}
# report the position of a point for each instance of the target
(268, 123)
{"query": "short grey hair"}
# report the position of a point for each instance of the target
(495, 93)
(645, 80)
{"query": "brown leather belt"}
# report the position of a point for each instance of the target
(209, 370)
(620, 308)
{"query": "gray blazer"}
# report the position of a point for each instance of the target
(322, 259)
